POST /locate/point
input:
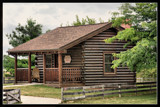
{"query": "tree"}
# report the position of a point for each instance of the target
(84, 21)
(142, 35)
(8, 63)
(22, 34)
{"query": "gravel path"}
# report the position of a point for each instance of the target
(39, 100)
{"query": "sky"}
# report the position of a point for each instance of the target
(51, 15)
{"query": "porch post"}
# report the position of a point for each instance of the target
(15, 67)
(44, 68)
(29, 68)
(60, 67)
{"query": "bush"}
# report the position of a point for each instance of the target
(8, 75)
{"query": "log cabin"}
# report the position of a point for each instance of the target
(74, 56)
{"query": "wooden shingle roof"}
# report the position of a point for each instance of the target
(61, 38)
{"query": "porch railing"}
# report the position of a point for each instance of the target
(51, 74)
(22, 74)
(72, 75)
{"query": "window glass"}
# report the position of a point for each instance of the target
(48, 61)
(108, 58)
(108, 63)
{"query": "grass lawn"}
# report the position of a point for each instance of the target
(39, 91)
(50, 92)
(127, 99)
(8, 84)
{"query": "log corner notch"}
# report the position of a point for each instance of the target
(29, 68)
(15, 67)
(44, 68)
(60, 67)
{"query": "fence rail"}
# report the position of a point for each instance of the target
(103, 90)
(11, 96)
(7, 80)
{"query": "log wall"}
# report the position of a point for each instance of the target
(76, 56)
(93, 60)
(88, 55)
(76, 59)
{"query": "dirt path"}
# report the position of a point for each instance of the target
(39, 100)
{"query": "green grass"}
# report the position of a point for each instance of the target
(8, 84)
(125, 99)
(39, 91)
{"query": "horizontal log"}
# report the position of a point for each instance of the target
(106, 46)
(90, 73)
(72, 93)
(115, 41)
(96, 54)
(107, 49)
(93, 67)
(93, 70)
(95, 57)
(100, 51)
(74, 98)
(96, 95)
(108, 32)
(110, 78)
(93, 91)
(102, 81)
(72, 65)
(71, 88)
(102, 43)
(93, 62)
(97, 65)
(100, 37)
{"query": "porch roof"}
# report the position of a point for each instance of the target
(61, 38)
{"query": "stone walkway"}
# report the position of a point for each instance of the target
(39, 100)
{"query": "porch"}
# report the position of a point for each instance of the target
(56, 76)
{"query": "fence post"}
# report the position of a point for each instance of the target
(7, 97)
(103, 90)
(119, 86)
(136, 89)
(19, 94)
(150, 88)
(84, 92)
(3, 80)
(61, 95)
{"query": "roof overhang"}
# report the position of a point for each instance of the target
(64, 48)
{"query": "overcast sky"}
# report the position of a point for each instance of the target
(51, 15)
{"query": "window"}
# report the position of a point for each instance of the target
(52, 61)
(48, 61)
(108, 58)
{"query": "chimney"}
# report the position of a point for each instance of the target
(125, 25)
